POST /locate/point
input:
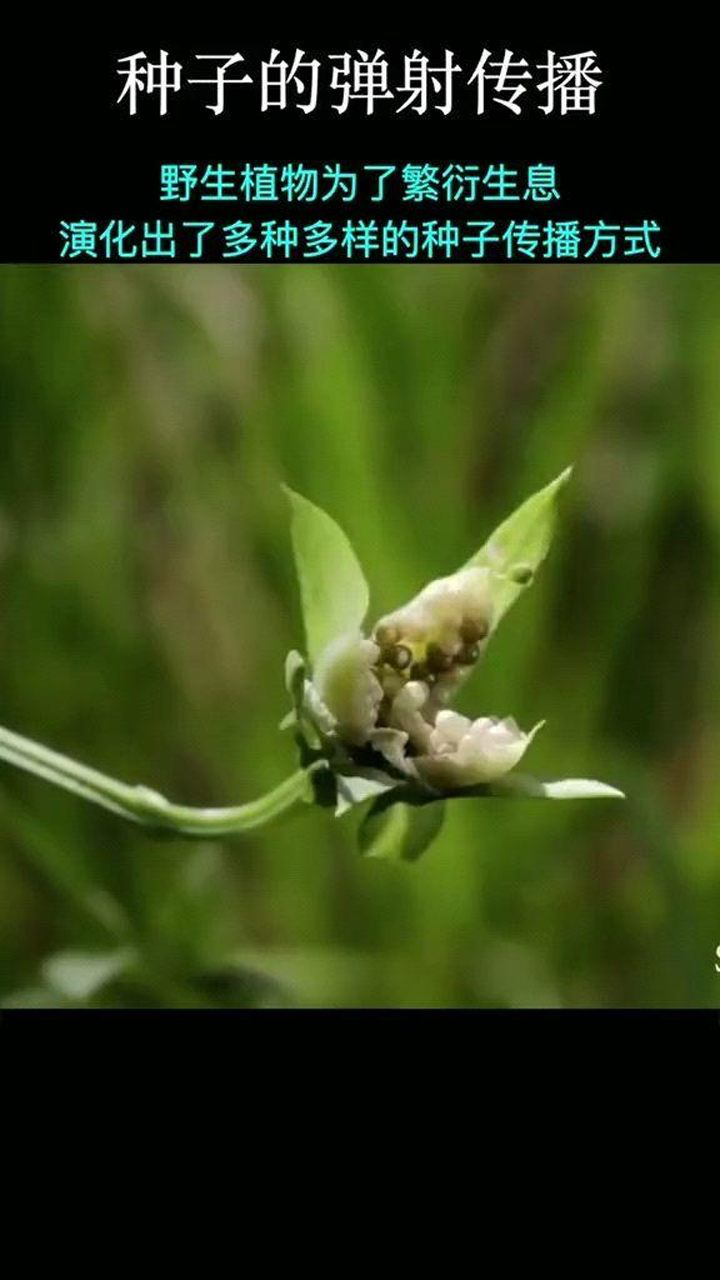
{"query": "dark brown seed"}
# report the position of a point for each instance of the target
(399, 657)
(387, 635)
(469, 655)
(473, 629)
(438, 659)
(419, 671)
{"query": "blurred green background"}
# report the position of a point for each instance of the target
(147, 601)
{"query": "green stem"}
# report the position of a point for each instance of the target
(144, 806)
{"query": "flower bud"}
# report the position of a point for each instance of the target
(406, 714)
(447, 614)
(463, 753)
(345, 682)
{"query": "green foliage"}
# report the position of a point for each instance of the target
(400, 832)
(332, 585)
(519, 545)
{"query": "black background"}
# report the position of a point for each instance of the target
(72, 153)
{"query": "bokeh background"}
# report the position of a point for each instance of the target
(147, 601)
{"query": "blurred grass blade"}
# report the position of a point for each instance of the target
(333, 589)
(60, 866)
(520, 544)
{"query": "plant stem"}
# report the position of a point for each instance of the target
(146, 807)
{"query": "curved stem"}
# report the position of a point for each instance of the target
(142, 805)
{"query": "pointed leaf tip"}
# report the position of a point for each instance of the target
(522, 784)
(333, 590)
(519, 545)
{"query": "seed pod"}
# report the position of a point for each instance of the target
(438, 610)
(386, 635)
(345, 680)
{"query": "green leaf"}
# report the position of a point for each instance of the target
(295, 674)
(356, 788)
(520, 544)
(400, 831)
(333, 590)
(522, 784)
(309, 715)
(295, 677)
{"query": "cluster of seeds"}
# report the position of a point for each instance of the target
(437, 637)
(418, 655)
(426, 662)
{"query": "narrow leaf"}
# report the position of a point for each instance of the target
(398, 831)
(356, 788)
(520, 544)
(295, 676)
(333, 590)
(295, 684)
(522, 784)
